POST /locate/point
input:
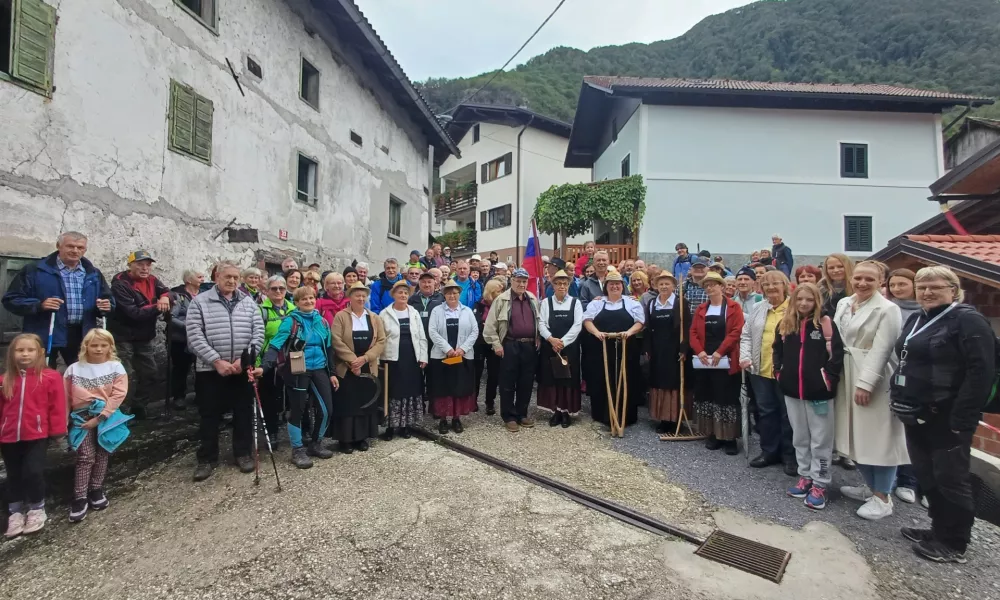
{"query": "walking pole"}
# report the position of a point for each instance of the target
(259, 409)
(247, 361)
(52, 327)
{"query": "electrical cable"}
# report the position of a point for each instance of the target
(509, 60)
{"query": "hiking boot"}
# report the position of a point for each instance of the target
(456, 425)
(245, 464)
(300, 458)
(15, 525)
(875, 508)
(861, 493)
(714, 443)
(203, 471)
(512, 426)
(387, 434)
(443, 426)
(816, 499)
(362, 446)
(345, 448)
(800, 489)
(36, 519)
(404, 432)
(916, 535)
(319, 451)
(527, 422)
(78, 510)
(931, 550)
(98, 501)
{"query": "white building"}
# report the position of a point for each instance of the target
(509, 156)
(832, 168)
(179, 126)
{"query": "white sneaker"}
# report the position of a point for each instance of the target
(875, 508)
(924, 503)
(35, 520)
(861, 493)
(906, 494)
(15, 525)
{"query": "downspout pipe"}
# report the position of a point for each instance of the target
(968, 108)
(517, 218)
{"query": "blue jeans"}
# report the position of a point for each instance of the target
(772, 419)
(879, 479)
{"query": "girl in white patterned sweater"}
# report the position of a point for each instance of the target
(98, 376)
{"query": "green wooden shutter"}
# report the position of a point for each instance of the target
(847, 167)
(203, 129)
(32, 42)
(852, 235)
(182, 107)
(861, 161)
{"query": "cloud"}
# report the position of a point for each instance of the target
(453, 38)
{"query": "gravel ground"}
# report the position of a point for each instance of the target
(727, 481)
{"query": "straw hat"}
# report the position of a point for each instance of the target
(665, 275)
(356, 286)
(560, 275)
(400, 284)
(613, 276)
(713, 276)
(451, 284)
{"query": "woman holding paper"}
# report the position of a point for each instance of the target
(453, 333)
(715, 343)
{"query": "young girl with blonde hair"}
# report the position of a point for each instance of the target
(808, 370)
(32, 409)
(95, 386)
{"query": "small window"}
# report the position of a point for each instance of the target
(27, 39)
(495, 169)
(254, 68)
(203, 10)
(854, 160)
(857, 234)
(614, 130)
(495, 218)
(306, 180)
(356, 138)
(475, 133)
(190, 123)
(395, 216)
(309, 84)
(626, 165)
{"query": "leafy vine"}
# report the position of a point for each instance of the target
(572, 208)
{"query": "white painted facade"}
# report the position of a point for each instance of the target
(729, 178)
(540, 165)
(94, 157)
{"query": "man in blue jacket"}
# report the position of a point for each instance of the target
(66, 284)
(472, 291)
(782, 255)
(682, 264)
(381, 289)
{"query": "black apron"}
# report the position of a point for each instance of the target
(358, 396)
(454, 381)
(405, 374)
(663, 336)
(715, 330)
(560, 322)
(613, 321)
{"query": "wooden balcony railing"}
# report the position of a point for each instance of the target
(616, 252)
(458, 200)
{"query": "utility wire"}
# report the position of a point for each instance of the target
(509, 60)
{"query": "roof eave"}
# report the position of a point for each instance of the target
(958, 174)
(958, 262)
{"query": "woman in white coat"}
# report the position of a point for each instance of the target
(453, 331)
(866, 430)
(404, 357)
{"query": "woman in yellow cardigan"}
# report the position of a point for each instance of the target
(358, 341)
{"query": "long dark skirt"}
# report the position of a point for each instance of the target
(717, 403)
(354, 429)
(453, 391)
(552, 398)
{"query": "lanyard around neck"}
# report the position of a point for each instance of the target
(915, 331)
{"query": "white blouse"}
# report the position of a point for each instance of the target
(657, 305)
(359, 323)
(557, 306)
(713, 311)
(451, 313)
(626, 303)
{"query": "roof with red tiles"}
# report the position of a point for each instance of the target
(864, 89)
(985, 248)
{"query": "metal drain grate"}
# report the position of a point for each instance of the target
(746, 555)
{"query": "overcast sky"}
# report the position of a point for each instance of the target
(452, 38)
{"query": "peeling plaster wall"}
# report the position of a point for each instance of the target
(94, 157)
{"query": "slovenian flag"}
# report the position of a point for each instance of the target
(533, 262)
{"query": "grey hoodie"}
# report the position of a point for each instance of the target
(907, 307)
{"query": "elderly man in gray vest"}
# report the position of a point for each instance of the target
(221, 323)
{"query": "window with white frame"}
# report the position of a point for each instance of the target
(395, 216)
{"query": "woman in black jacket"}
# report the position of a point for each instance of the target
(947, 356)
(807, 373)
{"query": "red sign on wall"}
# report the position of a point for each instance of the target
(283, 235)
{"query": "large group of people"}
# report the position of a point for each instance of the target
(882, 371)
